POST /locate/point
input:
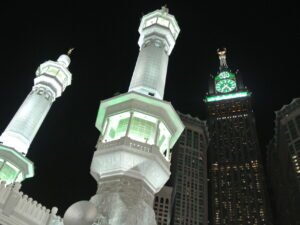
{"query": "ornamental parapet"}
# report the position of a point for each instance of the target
(17, 208)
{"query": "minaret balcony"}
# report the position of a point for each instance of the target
(133, 145)
(141, 118)
(131, 158)
(159, 24)
(55, 75)
(14, 166)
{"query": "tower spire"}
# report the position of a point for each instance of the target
(222, 57)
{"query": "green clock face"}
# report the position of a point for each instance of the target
(225, 86)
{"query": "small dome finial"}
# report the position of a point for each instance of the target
(222, 57)
(165, 9)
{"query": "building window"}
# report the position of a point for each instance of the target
(182, 138)
(201, 137)
(196, 140)
(286, 133)
(297, 145)
(189, 138)
(292, 128)
(298, 122)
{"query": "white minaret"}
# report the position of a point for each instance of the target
(138, 129)
(52, 77)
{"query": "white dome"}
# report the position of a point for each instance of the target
(64, 60)
(80, 213)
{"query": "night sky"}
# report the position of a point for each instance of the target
(262, 40)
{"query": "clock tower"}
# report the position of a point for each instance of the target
(236, 179)
(226, 84)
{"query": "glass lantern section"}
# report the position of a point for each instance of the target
(151, 21)
(139, 127)
(116, 127)
(164, 137)
(9, 173)
(163, 22)
(143, 128)
(56, 72)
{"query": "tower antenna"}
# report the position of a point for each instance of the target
(222, 57)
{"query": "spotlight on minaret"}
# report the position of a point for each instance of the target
(52, 77)
(138, 129)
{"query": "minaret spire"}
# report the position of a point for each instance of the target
(222, 57)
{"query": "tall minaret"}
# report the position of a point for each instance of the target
(138, 129)
(52, 77)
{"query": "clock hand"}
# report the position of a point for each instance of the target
(225, 87)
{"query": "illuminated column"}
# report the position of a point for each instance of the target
(158, 33)
(52, 77)
(132, 160)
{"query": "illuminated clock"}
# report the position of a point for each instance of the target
(225, 86)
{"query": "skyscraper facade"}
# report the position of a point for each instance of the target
(236, 179)
(162, 206)
(189, 174)
(283, 165)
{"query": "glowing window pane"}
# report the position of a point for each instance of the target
(142, 130)
(163, 22)
(8, 172)
(111, 134)
(20, 177)
(61, 77)
(122, 127)
(173, 31)
(164, 136)
(161, 140)
(117, 126)
(52, 70)
(150, 22)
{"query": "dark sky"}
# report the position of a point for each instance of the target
(262, 39)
